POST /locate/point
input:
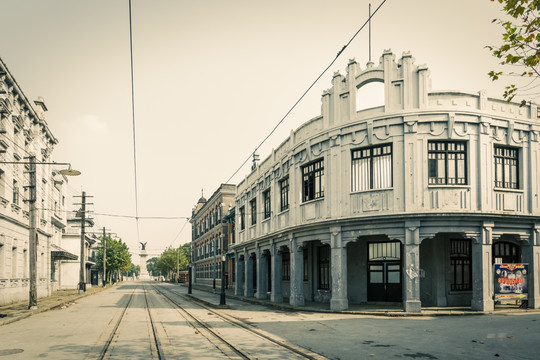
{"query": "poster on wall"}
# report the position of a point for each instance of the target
(511, 281)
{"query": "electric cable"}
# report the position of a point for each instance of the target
(306, 91)
(133, 122)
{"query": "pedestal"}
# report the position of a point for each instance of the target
(144, 271)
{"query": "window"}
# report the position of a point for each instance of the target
(2, 183)
(267, 207)
(286, 265)
(253, 207)
(284, 193)
(372, 168)
(506, 167)
(460, 264)
(505, 253)
(447, 162)
(242, 218)
(324, 267)
(15, 192)
(313, 180)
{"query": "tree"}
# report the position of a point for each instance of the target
(151, 266)
(118, 257)
(133, 270)
(521, 42)
(186, 250)
(167, 261)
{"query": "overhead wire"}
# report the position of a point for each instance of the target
(306, 91)
(180, 232)
(133, 123)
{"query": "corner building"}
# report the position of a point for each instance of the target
(410, 202)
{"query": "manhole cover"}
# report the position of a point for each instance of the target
(10, 351)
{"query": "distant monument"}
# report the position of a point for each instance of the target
(144, 271)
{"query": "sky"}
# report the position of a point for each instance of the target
(211, 80)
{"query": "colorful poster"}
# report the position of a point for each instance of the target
(511, 281)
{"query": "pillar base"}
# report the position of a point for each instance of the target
(339, 304)
(483, 305)
(413, 306)
(277, 298)
(297, 301)
(261, 295)
(248, 293)
(534, 302)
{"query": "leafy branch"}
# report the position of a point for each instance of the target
(521, 41)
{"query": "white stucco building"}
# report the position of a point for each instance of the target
(410, 202)
(24, 132)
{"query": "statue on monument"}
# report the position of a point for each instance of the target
(142, 255)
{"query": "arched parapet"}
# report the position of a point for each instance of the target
(406, 86)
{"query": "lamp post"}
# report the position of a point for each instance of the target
(222, 295)
(32, 243)
(189, 279)
(178, 265)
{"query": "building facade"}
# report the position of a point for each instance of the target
(23, 133)
(71, 241)
(410, 202)
(210, 236)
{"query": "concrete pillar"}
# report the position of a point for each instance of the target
(532, 257)
(411, 265)
(338, 264)
(276, 295)
(297, 274)
(262, 267)
(248, 286)
(240, 274)
(482, 277)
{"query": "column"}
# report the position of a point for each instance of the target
(411, 265)
(532, 257)
(240, 273)
(248, 286)
(261, 275)
(297, 273)
(482, 271)
(277, 295)
(338, 264)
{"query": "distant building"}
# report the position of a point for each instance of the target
(71, 241)
(24, 132)
(410, 202)
(210, 236)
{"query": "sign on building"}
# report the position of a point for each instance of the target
(511, 281)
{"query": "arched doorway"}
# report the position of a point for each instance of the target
(384, 271)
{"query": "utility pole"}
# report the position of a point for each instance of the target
(104, 258)
(178, 264)
(82, 283)
(32, 304)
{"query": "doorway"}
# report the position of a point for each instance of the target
(384, 271)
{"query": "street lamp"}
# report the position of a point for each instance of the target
(222, 295)
(32, 303)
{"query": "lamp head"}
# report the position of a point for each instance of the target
(70, 172)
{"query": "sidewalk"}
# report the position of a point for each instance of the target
(19, 310)
(211, 298)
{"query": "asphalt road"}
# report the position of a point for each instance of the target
(82, 329)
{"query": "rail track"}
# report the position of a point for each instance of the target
(112, 332)
(291, 351)
(135, 332)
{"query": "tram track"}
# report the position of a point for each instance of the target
(107, 348)
(294, 350)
